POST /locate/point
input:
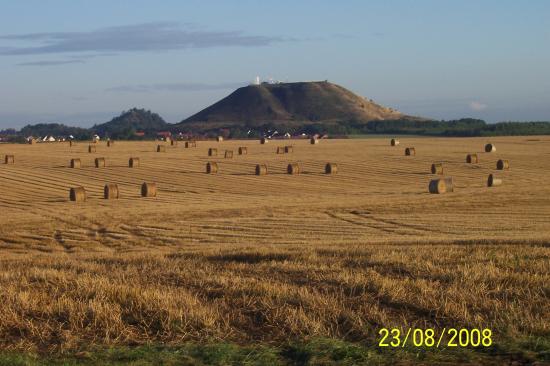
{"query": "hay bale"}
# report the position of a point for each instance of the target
(110, 143)
(212, 152)
(32, 141)
(9, 159)
(503, 165)
(77, 194)
(211, 168)
(148, 189)
(280, 150)
(133, 162)
(493, 181)
(394, 142)
(228, 154)
(261, 169)
(293, 168)
(437, 168)
(219, 138)
(243, 150)
(91, 149)
(161, 148)
(71, 143)
(263, 141)
(441, 185)
(314, 141)
(75, 163)
(489, 148)
(189, 144)
(100, 162)
(289, 149)
(471, 159)
(331, 168)
(173, 143)
(110, 191)
(410, 151)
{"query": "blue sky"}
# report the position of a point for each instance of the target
(82, 62)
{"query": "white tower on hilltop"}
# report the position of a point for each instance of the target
(256, 81)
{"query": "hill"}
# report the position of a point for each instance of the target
(129, 122)
(309, 102)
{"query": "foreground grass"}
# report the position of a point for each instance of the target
(319, 351)
(62, 305)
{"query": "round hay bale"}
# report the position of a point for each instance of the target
(219, 138)
(280, 150)
(503, 165)
(261, 169)
(91, 149)
(148, 189)
(161, 148)
(77, 194)
(293, 168)
(289, 149)
(32, 141)
(313, 141)
(243, 150)
(493, 181)
(410, 151)
(191, 143)
(9, 159)
(228, 154)
(173, 143)
(133, 162)
(110, 143)
(437, 186)
(489, 148)
(441, 185)
(100, 162)
(110, 191)
(394, 142)
(75, 163)
(331, 168)
(212, 152)
(437, 168)
(471, 159)
(211, 168)
(263, 141)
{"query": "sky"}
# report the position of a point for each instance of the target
(83, 62)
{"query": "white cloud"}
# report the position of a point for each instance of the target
(477, 106)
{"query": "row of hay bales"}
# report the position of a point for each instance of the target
(243, 150)
(285, 149)
(76, 163)
(228, 154)
(111, 191)
(262, 169)
(312, 141)
(92, 148)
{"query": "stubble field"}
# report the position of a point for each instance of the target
(249, 260)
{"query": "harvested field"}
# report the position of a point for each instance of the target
(243, 258)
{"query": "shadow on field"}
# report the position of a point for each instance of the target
(250, 258)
